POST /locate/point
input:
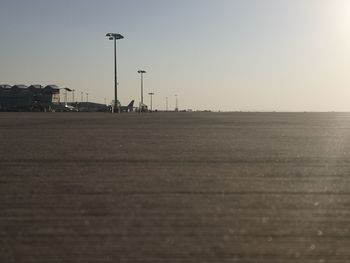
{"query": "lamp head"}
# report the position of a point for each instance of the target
(113, 36)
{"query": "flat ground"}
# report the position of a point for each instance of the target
(175, 187)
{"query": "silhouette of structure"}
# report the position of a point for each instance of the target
(128, 108)
(115, 37)
(32, 98)
(151, 95)
(176, 103)
(142, 106)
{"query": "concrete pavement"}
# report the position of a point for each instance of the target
(175, 187)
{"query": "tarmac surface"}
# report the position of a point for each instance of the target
(175, 187)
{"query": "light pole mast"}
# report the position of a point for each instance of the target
(73, 90)
(176, 104)
(87, 101)
(66, 96)
(141, 72)
(151, 94)
(115, 37)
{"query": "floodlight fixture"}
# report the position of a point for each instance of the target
(114, 36)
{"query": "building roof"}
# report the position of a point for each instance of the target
(52, 86)
(19, 86)
(52, 89)
(36, 86)
(49, 89)
(5, 86)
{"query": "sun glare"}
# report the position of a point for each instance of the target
(343, 16)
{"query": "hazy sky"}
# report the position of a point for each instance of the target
(283, 55)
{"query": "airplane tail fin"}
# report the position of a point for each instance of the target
(131, 104)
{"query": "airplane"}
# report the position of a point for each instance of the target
(128, 108)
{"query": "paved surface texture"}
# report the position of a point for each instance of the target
(175, 187)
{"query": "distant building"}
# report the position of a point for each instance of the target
(5, 87)
(32, 98)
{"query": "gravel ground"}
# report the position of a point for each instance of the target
(175, 187)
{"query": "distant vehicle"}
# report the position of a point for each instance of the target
(70, 108)
(65, 108)
(128, 108)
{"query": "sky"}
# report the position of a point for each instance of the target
(228, 55)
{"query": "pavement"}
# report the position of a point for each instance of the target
(175, 187)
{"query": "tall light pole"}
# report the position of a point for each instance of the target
(166, 103)
(73, 95)
(87, 101)
(151, 94)
(176, 104)
(141, 72)
(115, 37)
(65, 95)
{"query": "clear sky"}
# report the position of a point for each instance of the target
(283, 55)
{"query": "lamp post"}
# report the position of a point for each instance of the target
(151, 94)
(65, 95)
(87, 101)
(73, 95)
(115, 37)
(176, 103)
(141, 72)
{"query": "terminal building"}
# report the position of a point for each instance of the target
(32, 98)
